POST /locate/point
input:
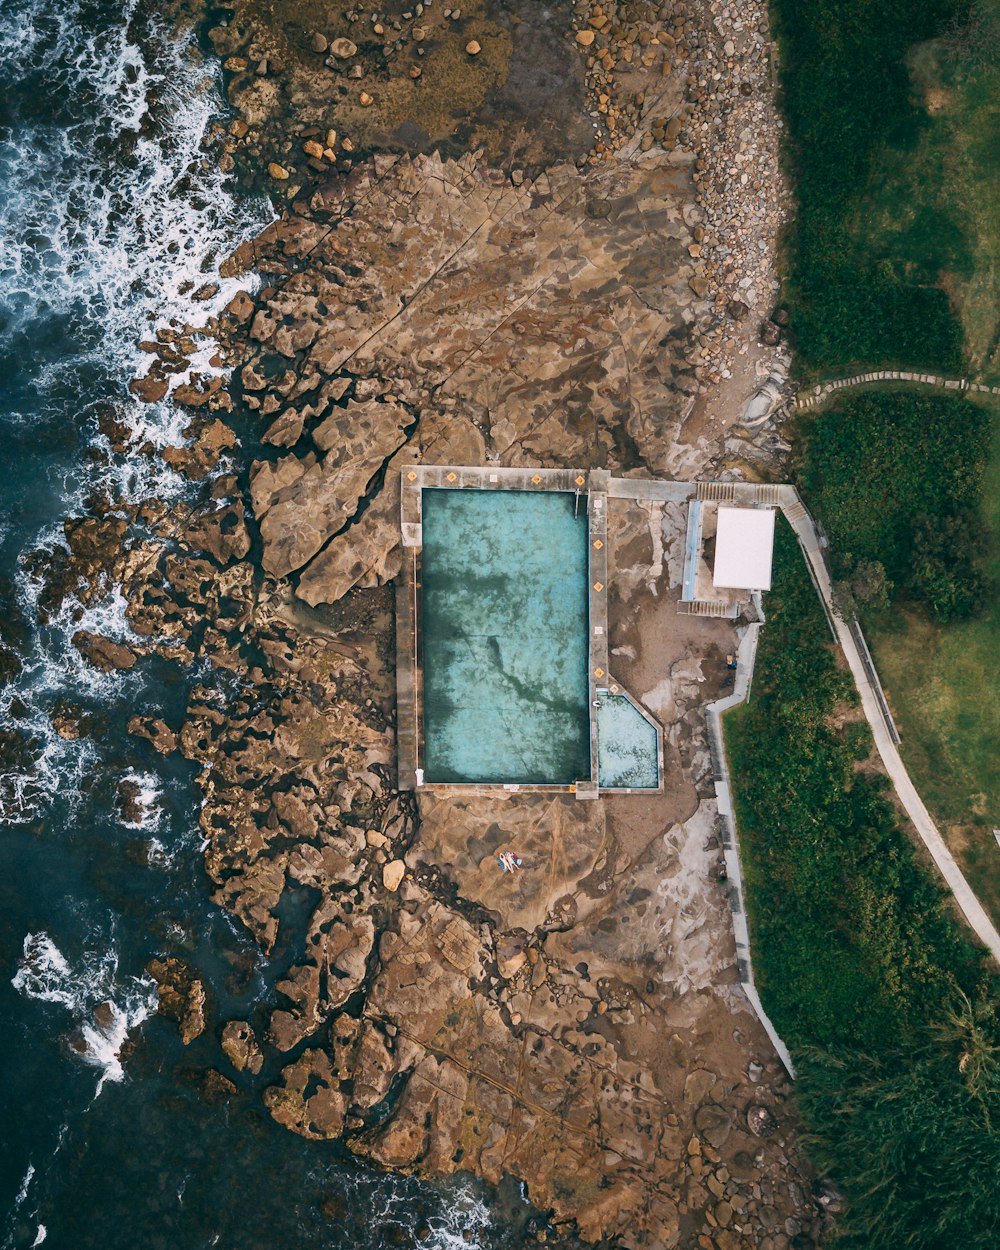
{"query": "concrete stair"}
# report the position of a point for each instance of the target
(698, 607)
(796, 512)
(716, 492)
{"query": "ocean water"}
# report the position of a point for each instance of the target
(109, 216)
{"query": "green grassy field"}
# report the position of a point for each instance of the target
(859, 955)
(954, 174)
(873, 466)
(892, 112)
(944, 688)
(894, 152)
(893, 115)
(860, 959)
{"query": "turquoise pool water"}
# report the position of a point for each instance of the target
(627, 755)
(504, 637)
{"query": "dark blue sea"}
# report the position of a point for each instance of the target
(110, 215)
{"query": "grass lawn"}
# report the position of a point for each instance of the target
(859, 956)
(893, 145)
(932, 210)
(944, 688)
(871, 465)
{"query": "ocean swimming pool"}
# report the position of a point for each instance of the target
(504, 639)
(627, 745)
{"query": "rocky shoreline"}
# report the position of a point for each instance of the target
(583, 286)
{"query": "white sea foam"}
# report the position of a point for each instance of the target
(40, 1236)
(22, 1193)
(104, 1009)
(148, 800)
(462, 1220)
(111, 215)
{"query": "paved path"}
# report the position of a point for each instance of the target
(911, 801)
(822, 391)
(714, 712)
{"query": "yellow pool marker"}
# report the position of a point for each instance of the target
(580, 480)
(536, 479)
(598, 672)
(598, 544)
(598, 586)
(451, 477)
(411, 476)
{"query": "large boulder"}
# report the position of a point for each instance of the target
(102, 652)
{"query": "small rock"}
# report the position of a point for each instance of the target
(697, 1083)
(761, 1121)
(240, 1046)
(770, 334)
(343, 49)
(713, 1124)
(473, 48)
(319, 43)
(365, 100)
(106, 1016)
(585, 38)
(312, 148)
(277, 171)
(393, 873)
(150, 389)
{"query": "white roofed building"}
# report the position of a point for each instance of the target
(744, 546)
(728, 556)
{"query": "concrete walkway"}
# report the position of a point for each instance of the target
(821, 392)
(974, 912)
(746, 655)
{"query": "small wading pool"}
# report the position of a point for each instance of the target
(627, 746)
(504, 637)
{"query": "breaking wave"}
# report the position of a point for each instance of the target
(103, 1009)
(112, 214)
(459, 1220)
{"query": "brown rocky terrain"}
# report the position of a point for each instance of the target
(515, 256)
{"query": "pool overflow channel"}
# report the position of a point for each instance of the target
(503, 678)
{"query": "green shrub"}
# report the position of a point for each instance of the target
(897, 479)
(856, 953)
(917, 1145)
(846, 99)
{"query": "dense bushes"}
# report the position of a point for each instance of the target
(855, 948)
(897, 479)
(846, 99)
(858, 959)
(918, 1144)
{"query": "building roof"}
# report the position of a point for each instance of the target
(744, 544)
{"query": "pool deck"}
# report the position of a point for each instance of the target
(593, 487)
